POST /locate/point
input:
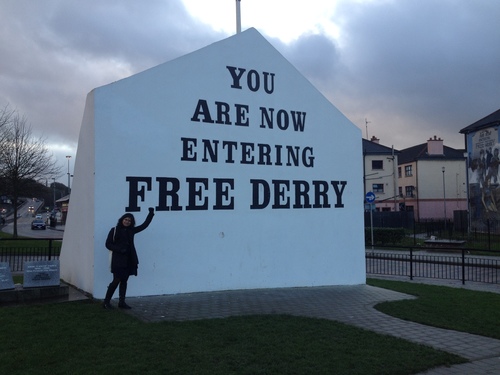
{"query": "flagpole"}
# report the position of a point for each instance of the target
(238, 17)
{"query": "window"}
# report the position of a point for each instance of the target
(400, 191)
(409, 191)
(378, 188)
(408, 171)
(399, 172)
(377, 164)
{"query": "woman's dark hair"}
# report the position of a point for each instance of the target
(130, 216)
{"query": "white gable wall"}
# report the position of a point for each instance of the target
(139, 124)
(77, 255)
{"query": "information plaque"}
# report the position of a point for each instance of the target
(41, 273)
(5, 277)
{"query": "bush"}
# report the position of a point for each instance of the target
(384, 236)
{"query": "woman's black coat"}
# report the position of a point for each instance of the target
(120, 241)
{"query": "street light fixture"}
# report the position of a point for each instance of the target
(69, 187)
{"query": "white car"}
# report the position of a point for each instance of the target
(38, 216)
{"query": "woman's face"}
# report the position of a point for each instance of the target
(126, 222)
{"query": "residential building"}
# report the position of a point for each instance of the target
(379, 171)
(432, 180)
(483, 180)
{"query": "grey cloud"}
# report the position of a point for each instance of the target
(316, 56)
(132, 31)
(413, 68)
(54, 52)
(432, 65)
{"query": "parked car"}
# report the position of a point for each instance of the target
(38, 224)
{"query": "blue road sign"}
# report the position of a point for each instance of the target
(370, 197)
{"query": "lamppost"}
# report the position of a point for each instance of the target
(69, 187)
(444, 200)
(54, 192)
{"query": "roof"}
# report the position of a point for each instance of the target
(419, 152)
(63, 199)
(488, 121)
(373, 148)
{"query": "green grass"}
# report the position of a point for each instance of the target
(82, 338)
(23, 245)
(5, 235)
(18, 279)
(451, 308)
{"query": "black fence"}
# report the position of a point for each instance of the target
(457, 263)
(486, 237)
(16, 251)
(399, 219)
(411, 262)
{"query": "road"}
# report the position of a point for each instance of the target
(24, 219)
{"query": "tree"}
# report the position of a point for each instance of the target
(23, 158)
(5, 118)
(6, 115)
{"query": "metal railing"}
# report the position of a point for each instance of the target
(459, 264)
(16, 254)
(456, 264)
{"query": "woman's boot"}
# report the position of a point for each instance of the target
(109, 294)
(122, 291)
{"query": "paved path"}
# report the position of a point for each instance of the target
(349, 304)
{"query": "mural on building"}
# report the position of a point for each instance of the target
(484, 186)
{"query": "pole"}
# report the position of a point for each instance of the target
(371, 222)
(394, 179)
(69, 187)
(238, 17)
(444, 200)
(54, 192)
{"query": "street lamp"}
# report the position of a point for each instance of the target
(54, 192)
(444, 200)
(69, 187)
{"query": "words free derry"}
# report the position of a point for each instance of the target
(273, 194)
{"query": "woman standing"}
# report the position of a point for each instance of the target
(124, 260)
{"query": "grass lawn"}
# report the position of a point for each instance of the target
(445, 307)
(30, 246)
(82, 338)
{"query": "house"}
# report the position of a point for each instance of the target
(379, 174)
(62, 205)
(432, 180)
(483, 147)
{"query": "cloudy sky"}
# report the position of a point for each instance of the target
(412, 69)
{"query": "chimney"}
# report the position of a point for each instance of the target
(375, 140)
(435, 146)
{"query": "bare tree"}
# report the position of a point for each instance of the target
(6, 115)
(23, 158)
